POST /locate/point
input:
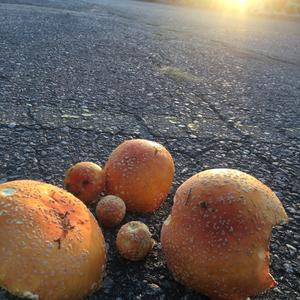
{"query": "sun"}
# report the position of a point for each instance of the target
(235, 4)
(243, 2)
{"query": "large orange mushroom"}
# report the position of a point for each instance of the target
(216, 239)
(51, 247)
(141, 173)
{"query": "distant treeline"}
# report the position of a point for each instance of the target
(280, 6)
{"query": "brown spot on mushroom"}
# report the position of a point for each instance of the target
(156, 151)
(203, 204)
(58, 241)
(85, 182)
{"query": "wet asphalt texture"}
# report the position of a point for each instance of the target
(79, 77)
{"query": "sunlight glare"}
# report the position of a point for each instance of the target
(235, 4)
(243, 2)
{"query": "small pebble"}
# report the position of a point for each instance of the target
(153, 289)
(108, 283)
(292, 249)
(288, 268)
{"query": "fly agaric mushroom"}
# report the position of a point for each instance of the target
(85, 180)
(216, 240)
(51, 247)
(141, 173)
(134, 241)
(110, 210)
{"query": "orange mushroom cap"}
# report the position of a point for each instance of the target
(134, 240)
(85, 180)
(51, 247)
(110, 210)
(141, 173)
(216, 240)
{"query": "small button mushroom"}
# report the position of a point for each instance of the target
(110, 210)
(85, 180)
(134, 241)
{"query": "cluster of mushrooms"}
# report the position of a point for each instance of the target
(215, 240)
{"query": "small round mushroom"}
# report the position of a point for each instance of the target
(110, 210)
(134, 241)
(216, 240)
(85, 180)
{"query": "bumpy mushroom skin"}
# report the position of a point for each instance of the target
(141, 173)
(134, 241)
(51, 247)
(110, 210)
(85, 180)
(216, 240)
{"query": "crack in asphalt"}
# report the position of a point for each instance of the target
(221, 117)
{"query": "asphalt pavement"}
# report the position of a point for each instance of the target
(79, 77)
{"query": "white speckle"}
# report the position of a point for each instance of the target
(168, 220)
(3, 212)
(261, 254)
(29, 295)
(93, 286)
(7, 191)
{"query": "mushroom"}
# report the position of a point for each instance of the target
(51, 247)
(110, 210)
(85, 180)
(216, 239)
(134, 241)
(141, 173)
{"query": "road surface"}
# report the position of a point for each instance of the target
(79, 77)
